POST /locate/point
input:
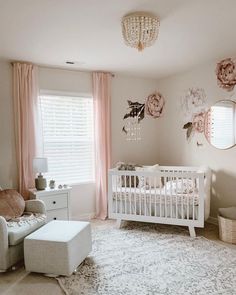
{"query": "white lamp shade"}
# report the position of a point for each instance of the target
(40, 165)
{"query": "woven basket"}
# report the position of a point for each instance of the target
(227, 230)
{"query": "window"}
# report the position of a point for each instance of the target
(68, 137)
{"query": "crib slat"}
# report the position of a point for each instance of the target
(150, 196)
(182, 199)
(130, 196)
(155, 198)
(120, 194)
(187, 198)
(165, 197)
(193, 183)
(160, 197)
(125, 194)
(116, 179)
(135, 200)
(140, 201)
(171, 196)
(176, 201)
(145, 198)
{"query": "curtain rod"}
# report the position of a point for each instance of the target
(21, 62)
(113, 75)
(30, 63)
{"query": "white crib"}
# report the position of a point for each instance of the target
(172, 195)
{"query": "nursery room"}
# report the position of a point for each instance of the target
(118, 147)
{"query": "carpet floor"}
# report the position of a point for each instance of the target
(20, 282)
(150, 259)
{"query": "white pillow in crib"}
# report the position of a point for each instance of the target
(152, 181)
(141, 183)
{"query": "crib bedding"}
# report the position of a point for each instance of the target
(157, 195)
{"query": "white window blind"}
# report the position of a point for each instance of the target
(68, 138)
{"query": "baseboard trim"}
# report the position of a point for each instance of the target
(212, 220)
(87, 216)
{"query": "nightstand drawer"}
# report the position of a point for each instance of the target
(55, 201)
(61, 214)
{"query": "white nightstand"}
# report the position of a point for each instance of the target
(57, 202)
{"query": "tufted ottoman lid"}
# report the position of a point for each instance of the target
(58, 247)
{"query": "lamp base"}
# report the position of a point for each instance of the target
(40, 183)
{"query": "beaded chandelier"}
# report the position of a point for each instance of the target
(140, 29)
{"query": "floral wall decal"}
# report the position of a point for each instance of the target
(226, 74)
(198, 122)
(189, 127)
(136, 110)
(153, 107)
(194, 107)
(193, 100)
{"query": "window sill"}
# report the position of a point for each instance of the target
(81, 183)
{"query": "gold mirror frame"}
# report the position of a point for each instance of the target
(206, 124)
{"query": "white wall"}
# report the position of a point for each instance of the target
(8, 169)
(175, 150)
(144, 151)
(65, 80)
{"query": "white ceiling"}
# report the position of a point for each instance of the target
(50, 32)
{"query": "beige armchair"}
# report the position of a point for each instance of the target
(11, 239)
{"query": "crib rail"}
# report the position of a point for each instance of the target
(172, 195)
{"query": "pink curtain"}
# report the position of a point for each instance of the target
(102, 103)
(24, 99)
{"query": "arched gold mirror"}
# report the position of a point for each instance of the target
(220, 123)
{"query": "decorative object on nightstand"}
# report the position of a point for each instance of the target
(57, 202)
(52, 184)
(40, 165)
(227, 224)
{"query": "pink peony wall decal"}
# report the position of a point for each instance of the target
(195, 125)
(198, 122)
(154, 105)
(226, 74)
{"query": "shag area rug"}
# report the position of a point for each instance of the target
(148, 259)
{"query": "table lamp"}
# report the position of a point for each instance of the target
(40, 165)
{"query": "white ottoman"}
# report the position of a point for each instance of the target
(58, 247)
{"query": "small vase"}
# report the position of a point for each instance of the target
(52, 184)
